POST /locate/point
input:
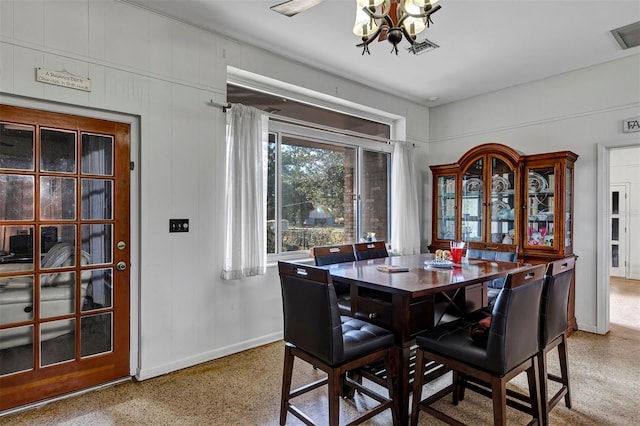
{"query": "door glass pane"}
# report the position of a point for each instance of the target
(17, 197)
(317, 194)
(472, 199)
(96, 242)
(16, 146)
(57, 341)
(375, 206)
(502, 202)
(57, 151)
(615, 202)
(615, 258)
(16, 248)
(16, 349)
(95, 337)
(16, 293)
(97, 196)
(97, 154)
(62, 254)
(57, 198)
(97, 289)
(446, 202)
(615, 229)
(57, 294)
(541, 200)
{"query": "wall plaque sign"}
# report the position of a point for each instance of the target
(63, 78)
(631, 125)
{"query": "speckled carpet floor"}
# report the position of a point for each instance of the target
(244, 389)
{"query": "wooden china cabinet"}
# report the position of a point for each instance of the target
(496, 195)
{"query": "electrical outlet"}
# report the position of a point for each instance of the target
(178, 225)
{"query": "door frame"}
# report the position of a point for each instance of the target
(134, 202)
(603, 228)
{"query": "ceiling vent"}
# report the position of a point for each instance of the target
(627, 36)
(423, 46)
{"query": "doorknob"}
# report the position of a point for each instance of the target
(121, 245)
(121, 266)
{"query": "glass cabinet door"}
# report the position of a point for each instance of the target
(473, 202)
(503, 214)
(445, 209)
(540, 208)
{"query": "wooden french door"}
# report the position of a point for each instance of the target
(64, 254)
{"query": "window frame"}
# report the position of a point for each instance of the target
(360, 144)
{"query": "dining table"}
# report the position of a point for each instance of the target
(409, 294)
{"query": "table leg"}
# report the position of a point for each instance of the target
(403, 390)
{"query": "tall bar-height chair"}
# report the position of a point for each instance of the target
(370, 250)
(499, 252)
(329, 255)
(511, 348)
(315, 332)
(553, 331)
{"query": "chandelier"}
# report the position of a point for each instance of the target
(392, 19)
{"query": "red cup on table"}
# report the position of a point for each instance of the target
(456, 251)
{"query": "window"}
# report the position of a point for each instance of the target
(325, 186)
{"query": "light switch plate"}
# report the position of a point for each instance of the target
(178, 225)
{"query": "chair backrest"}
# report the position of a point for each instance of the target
(499, 252)
(555, 298)
(311, 315)
(514, 330)
(370, 250)
(328, 255)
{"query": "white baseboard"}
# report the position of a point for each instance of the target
(148, 373)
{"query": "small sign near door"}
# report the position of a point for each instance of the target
(63, 78)
(631, 125)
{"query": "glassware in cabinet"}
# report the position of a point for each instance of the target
(446, 207)
(503, 202)
(541, 197)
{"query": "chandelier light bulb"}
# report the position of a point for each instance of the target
(413, 25)
(364, 25)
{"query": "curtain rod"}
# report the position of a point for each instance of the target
(224, 106)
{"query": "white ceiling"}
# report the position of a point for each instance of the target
(485, 45)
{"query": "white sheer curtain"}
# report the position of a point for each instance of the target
(245, 200)
(405, 229)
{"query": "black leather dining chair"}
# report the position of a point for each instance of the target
(511, 348)
(499, 252)
(370, 250)
(332, 254)
(553, 331)
(315, 332)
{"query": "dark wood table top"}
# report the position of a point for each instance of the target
(421, 279)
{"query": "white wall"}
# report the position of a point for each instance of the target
(575, 111)
(164, 72)
(625, 168)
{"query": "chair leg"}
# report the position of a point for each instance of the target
(564, 369)
(459, 386)
(544, 388)
(335, 390)
(499, 396)
(418, 381)
(533, 377)
(287, 372)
